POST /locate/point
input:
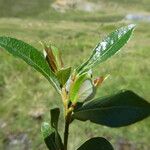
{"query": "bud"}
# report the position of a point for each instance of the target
(53, 57)
(99, 80)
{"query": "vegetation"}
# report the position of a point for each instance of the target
(77, 90)
(20, 87)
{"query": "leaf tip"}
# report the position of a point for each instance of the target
(44, 125)
(132, 26)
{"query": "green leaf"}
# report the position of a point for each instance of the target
(121, 109)
(97, 143)
(58, 141)
(78, 91)
(108, 47)
(57, 55)
(54, 124)
(46, 129)
(63, 75)
(55, 117)
(31, 56)
(53, 56)
(51, 137)
(86, 91)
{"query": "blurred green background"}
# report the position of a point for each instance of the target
(75, 27)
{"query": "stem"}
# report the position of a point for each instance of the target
(67, 114)
(66, 132)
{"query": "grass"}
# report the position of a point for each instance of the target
(22, 89)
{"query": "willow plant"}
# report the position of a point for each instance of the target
(77, 89)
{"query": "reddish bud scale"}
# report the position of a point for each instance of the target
(98, 81)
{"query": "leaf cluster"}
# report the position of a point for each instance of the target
(77, 89)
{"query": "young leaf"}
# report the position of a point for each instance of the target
(57, 55)
(81, 89)
(97, 143)
(53, 56)
(63, 75)
(86, 91)
(118, 110)
(74, 89)
(31, 56)
(108, 47)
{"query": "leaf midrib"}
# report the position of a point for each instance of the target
(106, 108)
(30, 60)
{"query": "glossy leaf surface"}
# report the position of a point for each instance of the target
(97, 143)
(121, 109)
(108, 47)
(31, 56)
